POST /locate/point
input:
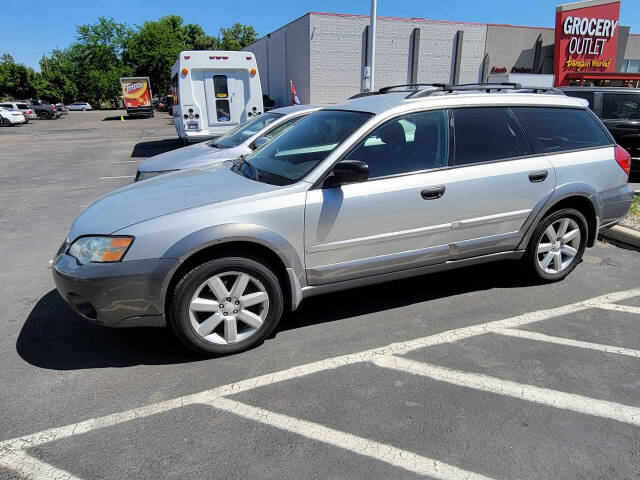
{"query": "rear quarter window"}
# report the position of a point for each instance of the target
(554, 130)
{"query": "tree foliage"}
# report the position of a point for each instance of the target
(89, 69)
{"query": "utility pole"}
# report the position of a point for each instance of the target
(372, 46)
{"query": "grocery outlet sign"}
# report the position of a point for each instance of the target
(586, 37)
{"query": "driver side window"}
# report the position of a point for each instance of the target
(411, 143)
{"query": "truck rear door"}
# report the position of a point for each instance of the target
(224, 96)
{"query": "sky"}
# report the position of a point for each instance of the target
(31, 28)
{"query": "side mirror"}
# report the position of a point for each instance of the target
(347, 171)
(259, 142)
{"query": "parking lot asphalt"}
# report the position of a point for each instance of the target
(475, 373)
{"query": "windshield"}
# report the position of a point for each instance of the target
(235, 137)
(292, 155)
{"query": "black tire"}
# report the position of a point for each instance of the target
(178, 309)
(531, 256)
(84, 109)
(4, 122)
(44, 115)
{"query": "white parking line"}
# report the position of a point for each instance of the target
(521, 391)
(127, 161)
(620, 308)
(118, 176)
(12, 450)
(541, 337)
(406, 460)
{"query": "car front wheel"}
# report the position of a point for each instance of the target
(225, 305)
(557, 245)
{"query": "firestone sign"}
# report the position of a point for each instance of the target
(586, 38)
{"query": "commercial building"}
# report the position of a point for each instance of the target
(325, 54)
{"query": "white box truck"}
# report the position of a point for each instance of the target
(214, 91)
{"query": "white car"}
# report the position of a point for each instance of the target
(24, 107)
(80, 106)
(11, 117)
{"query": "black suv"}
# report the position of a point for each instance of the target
(619, 110)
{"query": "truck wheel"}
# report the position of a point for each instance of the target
(44, 115)
(226, 305)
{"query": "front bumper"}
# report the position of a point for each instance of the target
(119, 294)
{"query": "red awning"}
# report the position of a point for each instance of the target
(603, 76)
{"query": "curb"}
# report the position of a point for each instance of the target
(622, 234)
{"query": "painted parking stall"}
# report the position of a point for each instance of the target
(15, 454)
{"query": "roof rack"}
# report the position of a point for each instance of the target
(431, 88)
(415, 86)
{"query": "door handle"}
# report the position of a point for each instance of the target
(536, 177)
(431, 193)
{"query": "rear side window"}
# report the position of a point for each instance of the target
(560, 129)
(487, 134)
(23, 106)
(621, 106)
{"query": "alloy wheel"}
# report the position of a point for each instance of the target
(229, 307)
(559, 245)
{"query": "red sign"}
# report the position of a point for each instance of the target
(586, 38)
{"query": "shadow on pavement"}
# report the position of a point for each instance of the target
(386, 296)
(155, 147)
(55, 337)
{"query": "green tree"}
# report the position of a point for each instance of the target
(98, 58)
(237, 37)
(16, 79)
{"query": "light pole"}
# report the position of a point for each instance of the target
(372, 46)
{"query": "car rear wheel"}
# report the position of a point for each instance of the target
(4, 122)
(557, 245)
(226, 305)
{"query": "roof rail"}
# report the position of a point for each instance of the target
(414, 86)
(488, 86)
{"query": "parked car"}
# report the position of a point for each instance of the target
(62, 108)
(45, 111)
(242, 140)
(10, 117)
(80, 106)
(382, 187)
(29, 113)
(619, 110)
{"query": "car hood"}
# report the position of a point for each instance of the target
(191, 156)
(162, 195)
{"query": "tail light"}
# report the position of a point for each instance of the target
(623, 158)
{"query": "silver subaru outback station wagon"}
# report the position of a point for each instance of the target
(406, 181)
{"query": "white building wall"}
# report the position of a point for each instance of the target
(283, 56)
(337, 53)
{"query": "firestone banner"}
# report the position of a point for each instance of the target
(586, 38)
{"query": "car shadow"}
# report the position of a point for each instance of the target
(155, 147)
(55, 337)
(386, 296)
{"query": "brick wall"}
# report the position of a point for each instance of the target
(337, 53)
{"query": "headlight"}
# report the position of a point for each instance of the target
(100, 249)
(145, 175)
